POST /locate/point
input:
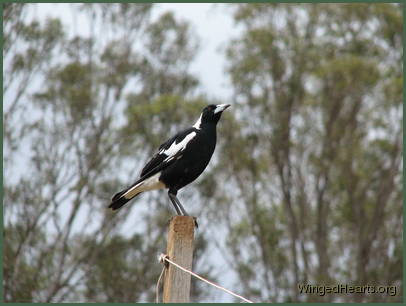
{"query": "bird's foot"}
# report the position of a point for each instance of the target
(194, 221)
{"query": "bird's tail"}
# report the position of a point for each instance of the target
(143, 184)
(119, 199)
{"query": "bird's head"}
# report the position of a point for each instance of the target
(212, 113)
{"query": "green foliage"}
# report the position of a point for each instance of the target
(61, 243)
(315, 159)
(170, 42)
(162, 111)
(124, 261)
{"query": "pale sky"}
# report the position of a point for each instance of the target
(211, 22)
(215, 27)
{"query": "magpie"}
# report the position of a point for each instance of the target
(178, 162)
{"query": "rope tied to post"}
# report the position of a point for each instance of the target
(159, 279)
(164, 259)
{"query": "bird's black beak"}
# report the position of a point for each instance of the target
(221, 108)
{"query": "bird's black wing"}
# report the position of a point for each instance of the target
(168, 152)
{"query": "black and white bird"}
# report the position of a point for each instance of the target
(178, 162)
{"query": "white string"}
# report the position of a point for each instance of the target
(158, 282)
(164, 257)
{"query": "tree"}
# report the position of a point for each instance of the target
(63, 100)
(315, 167)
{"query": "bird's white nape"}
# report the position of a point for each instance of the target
(220, 108)
(198, 123)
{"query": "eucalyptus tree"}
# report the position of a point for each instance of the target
(315, 156)
(73, 133)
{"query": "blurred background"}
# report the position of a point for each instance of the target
(305, 186)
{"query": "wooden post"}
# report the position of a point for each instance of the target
(180, 251)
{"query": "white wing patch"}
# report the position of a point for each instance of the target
(177, 147)
(198, 123)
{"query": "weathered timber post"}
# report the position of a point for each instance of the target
(179, 250)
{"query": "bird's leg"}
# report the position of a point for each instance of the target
(181, 207)
(184, 211)
(173, 199)
(178, 206)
